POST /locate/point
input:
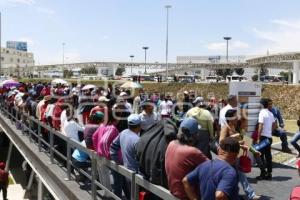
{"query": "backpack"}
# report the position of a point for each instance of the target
(151, 148)
(295, 194)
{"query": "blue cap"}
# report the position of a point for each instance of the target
(134, 119)
(191, 124)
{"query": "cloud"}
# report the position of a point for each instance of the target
(283, 36)
(295, 24)
(232, 45)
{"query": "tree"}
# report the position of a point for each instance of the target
(239, 71)
(286, 75)
(224, 72)
(263, 71)
(120, 71)
(67, 73)
(255, 77)
(89, 70)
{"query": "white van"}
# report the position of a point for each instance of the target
(211, 79)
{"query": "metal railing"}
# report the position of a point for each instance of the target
(33, 128)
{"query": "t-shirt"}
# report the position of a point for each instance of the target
(63, 118)
(126, 142)
(102, 139)
(267, 119)
(148, 120)
(71, 129)
(222, 118)
(89, 130)
(180, 160)
(215, 175)
(295, 194)
(166, 107)
(203, 117)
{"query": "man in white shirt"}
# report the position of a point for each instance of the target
(266, 125)
(148, 116)
(70, 127)
(231, 103)
(165, 107)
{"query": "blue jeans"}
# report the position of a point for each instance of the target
(248, 189)
(282, 134)
(295, 140)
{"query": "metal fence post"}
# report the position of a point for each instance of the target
(94, 177)
(136, 189)
(30, 129)
(39, 137)
(22, 123)
(133, 187)
(68, 161)
(51, 146)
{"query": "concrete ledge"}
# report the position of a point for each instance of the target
(52, 176)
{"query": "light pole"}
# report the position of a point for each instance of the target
(145, 48)
(227, 39)
(131, 56)
(63, 53)
(167, 40)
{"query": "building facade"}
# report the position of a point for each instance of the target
(14, 62)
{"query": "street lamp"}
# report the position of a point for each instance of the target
(145, 48)
(63, 53)
(227, 39)
(167, 40)
(131, 56)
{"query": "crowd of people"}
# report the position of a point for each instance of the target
(116, 123)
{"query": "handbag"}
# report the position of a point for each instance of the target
(245, 163)
(214, 144)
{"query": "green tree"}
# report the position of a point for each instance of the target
(255, 77)
(263, 71)
(120, 71)
(239, 71)
(285, 75)
(67, 73)
(89, 70)
(224, 72)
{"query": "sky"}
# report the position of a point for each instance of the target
(112, 30)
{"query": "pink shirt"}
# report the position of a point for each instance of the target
(103, 138)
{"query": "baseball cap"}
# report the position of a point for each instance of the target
(97, 115)
(103, 98)
(122, 94)
(191, 125)
(198, 100)
(134, 119)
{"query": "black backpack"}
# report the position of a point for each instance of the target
(151, 148)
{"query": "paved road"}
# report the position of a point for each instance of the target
(285, 177)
